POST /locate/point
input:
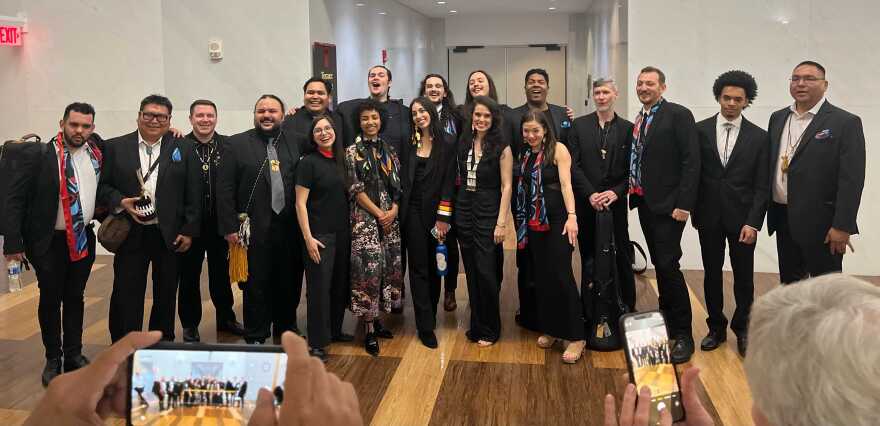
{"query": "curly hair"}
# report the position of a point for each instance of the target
(736, 78)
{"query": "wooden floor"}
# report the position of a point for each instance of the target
(511, 383)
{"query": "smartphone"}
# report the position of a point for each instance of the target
(646, 345)
(177, 383)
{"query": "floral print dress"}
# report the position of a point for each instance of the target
(373, 168)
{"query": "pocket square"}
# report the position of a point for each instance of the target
(175, 156)
(825, 134)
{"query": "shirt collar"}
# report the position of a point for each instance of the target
(813, 111)
(647, 111)
(737, 122)
(143, 141)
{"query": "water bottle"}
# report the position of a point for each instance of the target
(13, 270)
(441, 254)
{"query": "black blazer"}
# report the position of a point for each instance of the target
(591, 174)
(738, 194)
(826, 175)
(178, 186)
(439, 182)
(32, 207)
(558, 119)
(238, 175)
(670, 161)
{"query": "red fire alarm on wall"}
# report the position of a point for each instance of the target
(10, 36)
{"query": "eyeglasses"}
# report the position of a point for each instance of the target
(150, 116)
(322, 130)
(806, 79)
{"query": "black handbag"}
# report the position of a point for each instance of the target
(605, 306)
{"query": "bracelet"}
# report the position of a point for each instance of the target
(499, 225)
(572, 214)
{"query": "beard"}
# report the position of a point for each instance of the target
(69, 140)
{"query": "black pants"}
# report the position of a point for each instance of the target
(424, 283)
(130, 266)
(484, 286)
(624, 259)
(742, 259)
(800, 260)
(328, 287)
(663, 235)
(62, 284)
(450, 281)
(527, 314)
(189, 295)
(272, 291)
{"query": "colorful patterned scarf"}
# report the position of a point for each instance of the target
(378, 155)
(638, 148)
(531, 212)
(77, 237)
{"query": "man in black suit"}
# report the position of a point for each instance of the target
(317, 94)
(537, 87)
(664, 174)
(600, 147)
(210, 149)
(172, 183)
(258, 179)
(817, 171)
(731, 203)
(396, 130)
(51, 204)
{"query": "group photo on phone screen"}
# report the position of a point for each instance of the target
(174, 386)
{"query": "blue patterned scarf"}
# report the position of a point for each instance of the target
(531, 212)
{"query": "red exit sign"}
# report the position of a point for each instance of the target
(10, 36)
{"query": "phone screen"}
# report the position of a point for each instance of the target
(186, 384)
(649, 362)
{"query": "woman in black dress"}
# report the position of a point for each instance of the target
(428, 180)
(322, 212)
(435, 88)
(485, 167)
(546, 224)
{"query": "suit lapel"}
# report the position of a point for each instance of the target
(55, 175)
(134, 158)
(168, 146)
(712, 130)
(817, 123)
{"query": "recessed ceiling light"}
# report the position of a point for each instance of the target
(453, 11)
(441, 2)
(383, 13)
(551, 8)
(783, 21)
(360, 4)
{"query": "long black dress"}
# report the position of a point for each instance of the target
(476, 213)
(559, 311)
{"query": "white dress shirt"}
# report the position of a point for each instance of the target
(87, 181)
(144, 150)
(726, 141)
(792, 133)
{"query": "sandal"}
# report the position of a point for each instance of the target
(545, 342)
(574, 351)
(484, 343)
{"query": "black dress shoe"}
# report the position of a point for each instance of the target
(75, 362)
(470, 336)
(713, 340)
(319, 353)
(342, 338)
(428, 339)
(191, 335)
(682, 350)
(52, 370)
(381, 331)
(742, 343)
(371, 344)
(232, 327)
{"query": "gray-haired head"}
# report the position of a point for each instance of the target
(605, 81)
(814, 353)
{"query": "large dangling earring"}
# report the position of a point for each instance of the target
(418, 139)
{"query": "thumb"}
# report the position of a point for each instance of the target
(320, 244)
(264, 412)
(827, 236)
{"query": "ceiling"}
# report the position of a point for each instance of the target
(486, 7)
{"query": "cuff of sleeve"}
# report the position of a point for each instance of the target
(444, 211)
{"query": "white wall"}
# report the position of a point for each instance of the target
(507, 30)
(693, 41)
(112, 54)
(360, 34)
